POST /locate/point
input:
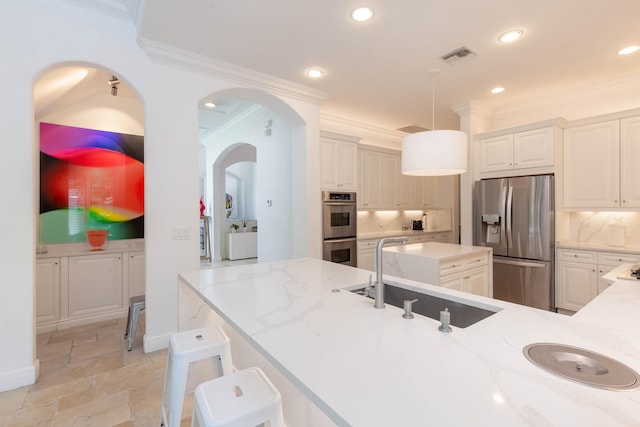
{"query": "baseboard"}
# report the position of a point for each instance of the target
(10, 380)
(159, 342)
(79, 321)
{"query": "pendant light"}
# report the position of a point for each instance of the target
(434, 152)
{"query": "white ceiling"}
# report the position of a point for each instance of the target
(377, 72)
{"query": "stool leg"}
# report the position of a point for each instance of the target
(126, 331)
(178, 383)
(133, 325)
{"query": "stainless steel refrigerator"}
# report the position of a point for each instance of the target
(515, 217)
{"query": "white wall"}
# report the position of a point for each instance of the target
(54, 33)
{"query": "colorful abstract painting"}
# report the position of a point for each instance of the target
(90, 179)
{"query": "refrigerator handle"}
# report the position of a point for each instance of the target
(519, 263)
(508, 214)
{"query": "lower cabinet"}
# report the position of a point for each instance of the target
(74, 290)
(580, 275)
(468, 274)
(95, 284)
(474, 281)
(241, 246)
(47, 290)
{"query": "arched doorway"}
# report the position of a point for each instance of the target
(278, 134)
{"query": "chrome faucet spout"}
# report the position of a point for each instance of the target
(379, 291)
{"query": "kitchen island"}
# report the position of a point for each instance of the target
(337, 360)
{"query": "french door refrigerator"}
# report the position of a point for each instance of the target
(515, 217)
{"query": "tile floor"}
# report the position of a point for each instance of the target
(88, 378)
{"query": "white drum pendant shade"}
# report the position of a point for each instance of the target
(434, 153)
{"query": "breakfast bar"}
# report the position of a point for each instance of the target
(338, 361)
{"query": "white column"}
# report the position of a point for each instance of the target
(473, 119)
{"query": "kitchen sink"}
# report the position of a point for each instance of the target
(462, 315)
(582, 366)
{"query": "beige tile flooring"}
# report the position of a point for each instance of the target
(88, 378)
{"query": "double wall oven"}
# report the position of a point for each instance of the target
(339, 227)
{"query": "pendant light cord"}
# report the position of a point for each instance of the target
(434, 74)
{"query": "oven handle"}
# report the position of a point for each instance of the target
(348, 239)
(338, 203)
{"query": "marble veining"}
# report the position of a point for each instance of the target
(363, 366)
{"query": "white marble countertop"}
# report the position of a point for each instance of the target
(436, 250)
(603, 247)
(368, 367)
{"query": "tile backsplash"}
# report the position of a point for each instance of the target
(612, 228)
(385, 221)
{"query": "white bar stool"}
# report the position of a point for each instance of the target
(184, 348)
(244, 399)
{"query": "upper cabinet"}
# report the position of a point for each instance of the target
(381, 184)
(511, 153)
(600, 169)
(338, 162)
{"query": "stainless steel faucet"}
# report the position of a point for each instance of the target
(379, 295)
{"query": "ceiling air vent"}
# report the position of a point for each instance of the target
(462, 53)
(412, 129)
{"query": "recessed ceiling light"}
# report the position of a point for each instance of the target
(497, 90)
(362, 14)
(210, 104)
(510, 36)
(629, 49)
(314, 73)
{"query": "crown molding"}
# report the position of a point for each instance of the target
(581, 95)
(473, 108)
(126, 10)
(358, 129)
(190, 61)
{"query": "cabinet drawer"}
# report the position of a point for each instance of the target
(575, 255)
(463, 263)
(367, 244)
(617, 258)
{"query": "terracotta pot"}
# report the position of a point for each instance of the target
(96, 238)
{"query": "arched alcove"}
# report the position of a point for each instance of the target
(88, 130)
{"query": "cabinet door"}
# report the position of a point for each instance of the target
(495, 154)
(404, 184)
(629, 156)
(348, 166)
(95, 284)
(329, 164)
(430, 191)
(368, 179)
(366, 259)
(388, 180)
(602, 270)
(591, 159)
(577, 285)
(47, 290)
(534, 148)
(452, 281)
(136, 274)
(477, 282)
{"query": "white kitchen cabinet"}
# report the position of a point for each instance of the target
(592, 165)
(474, 281)
(47, 290)
(241, 245)
(607, 261)
(516, 151)
(338, 162)
(136, 274)
(389, 177)
(368, 180)
(95, 284)
(629, 157)
(600, 165)
(580, 274)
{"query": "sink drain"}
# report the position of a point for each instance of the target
(582, 366)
